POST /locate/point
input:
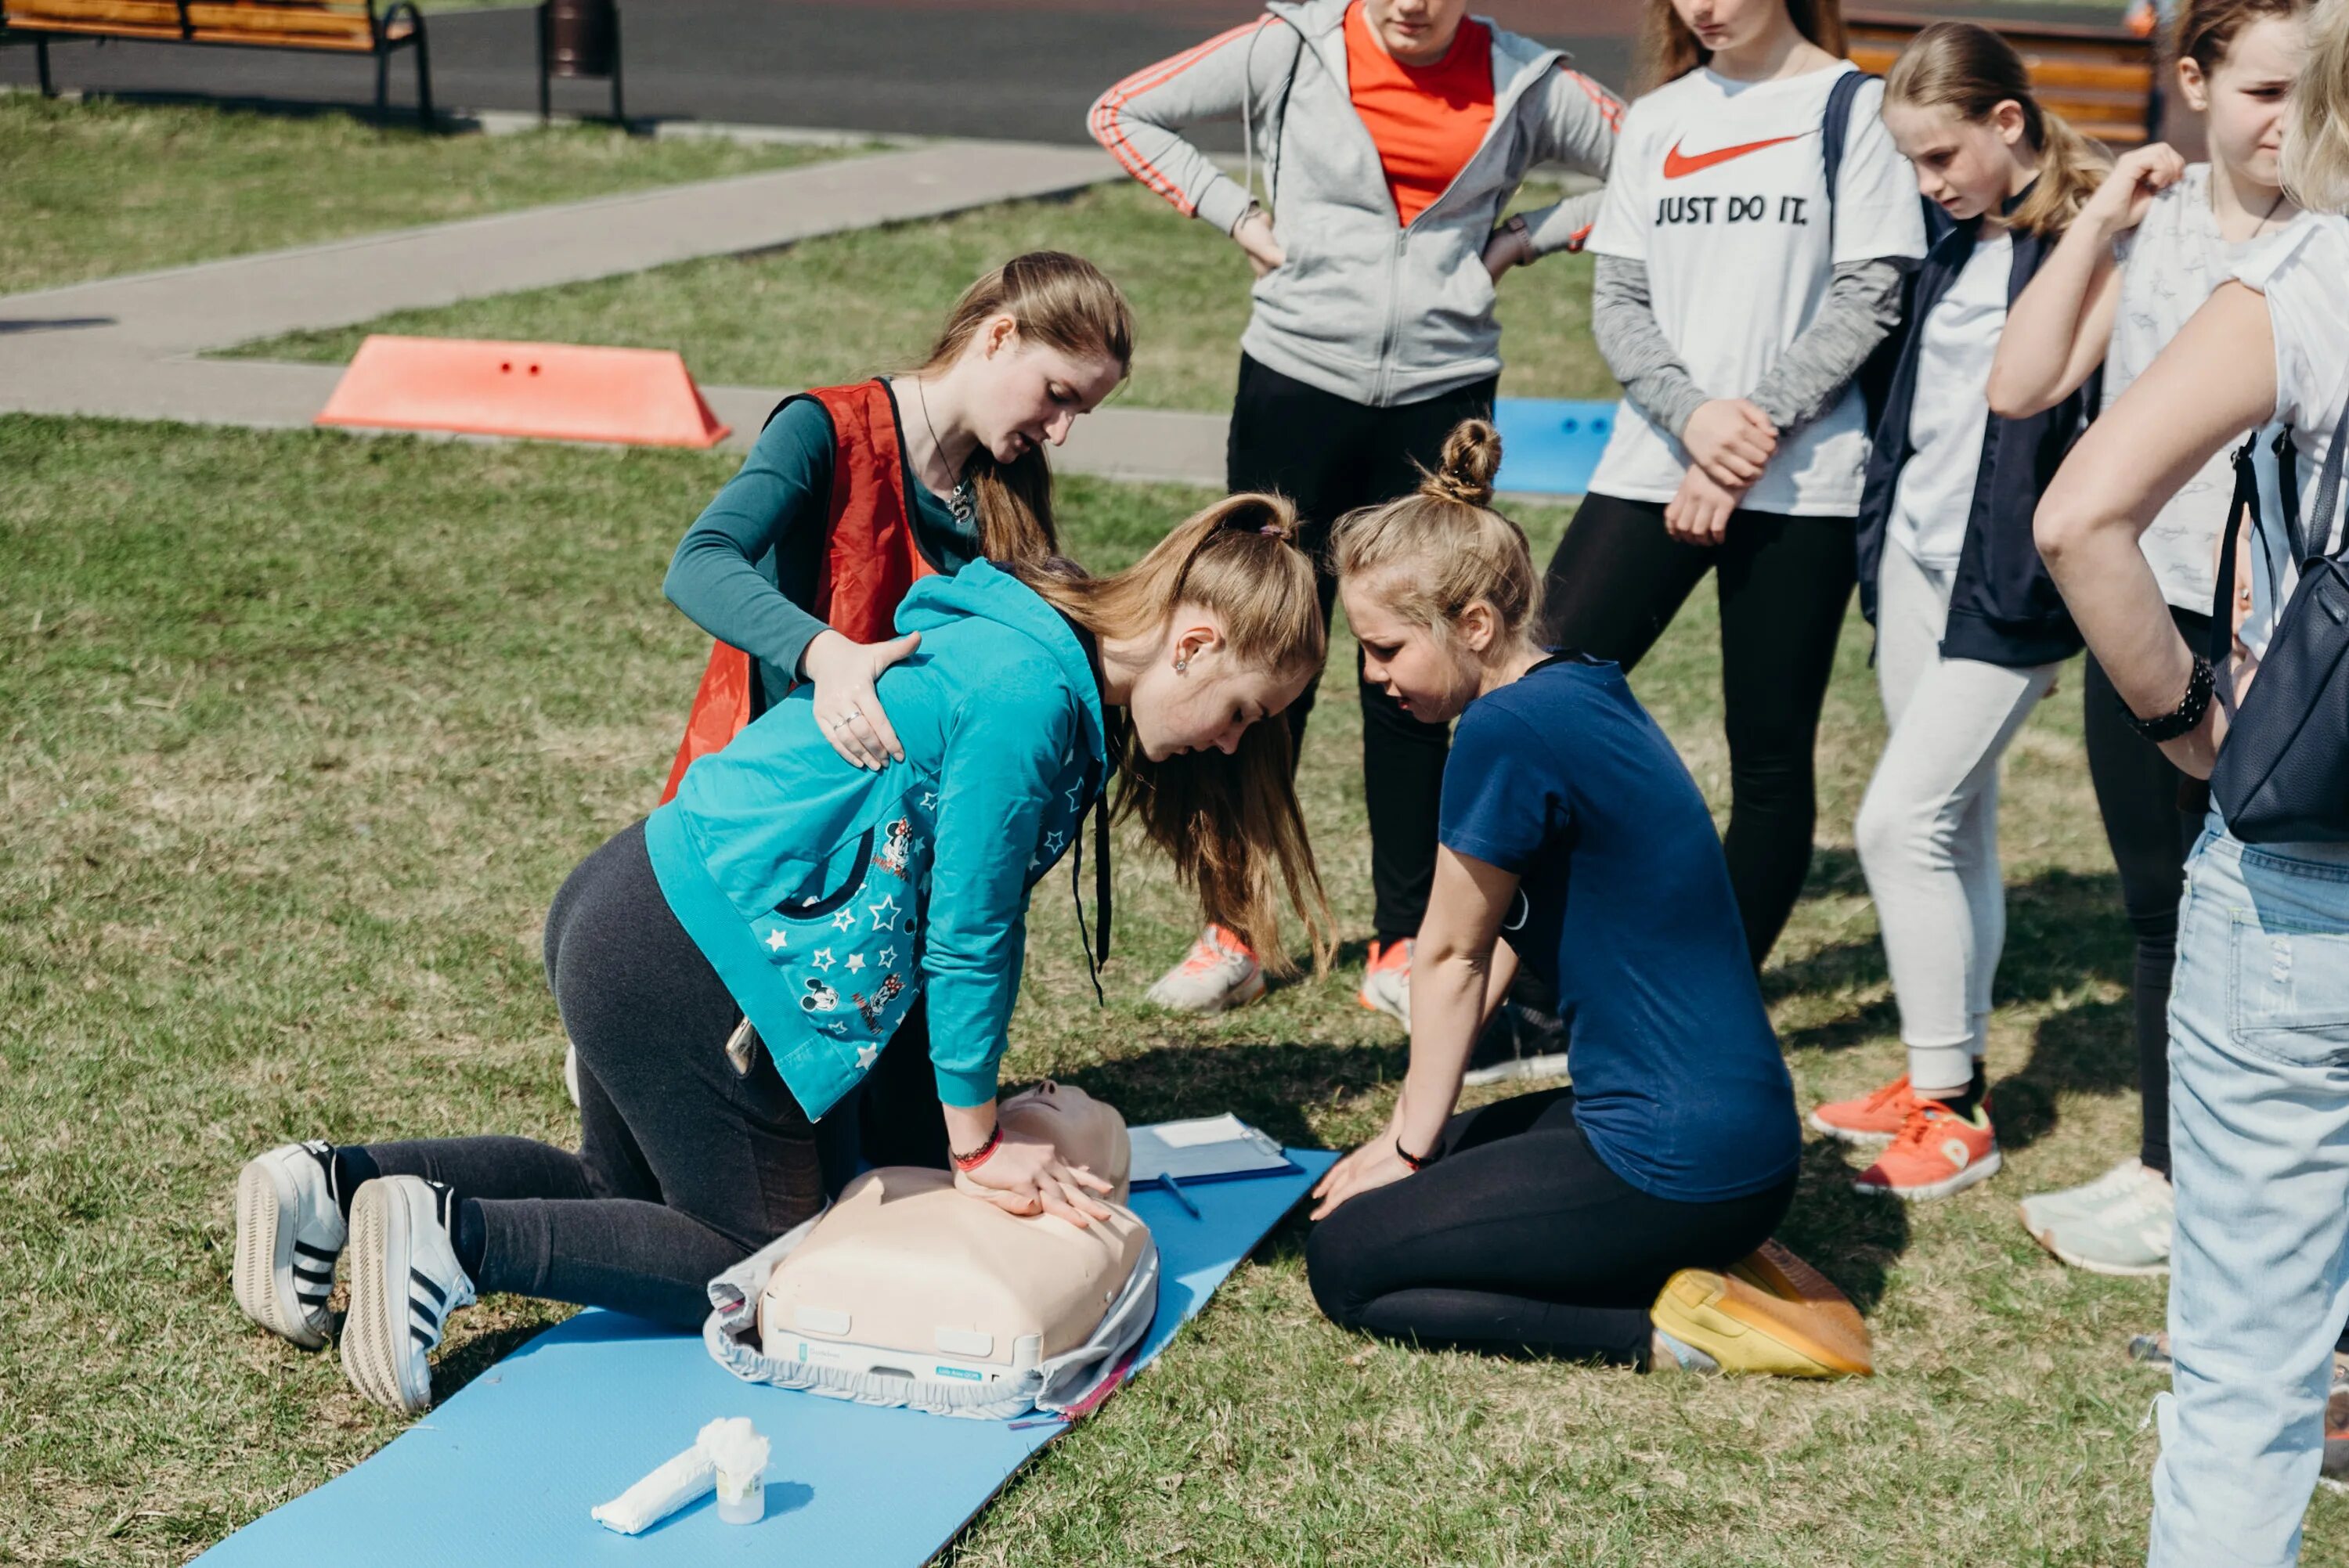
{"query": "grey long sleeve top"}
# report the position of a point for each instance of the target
(1862, 308)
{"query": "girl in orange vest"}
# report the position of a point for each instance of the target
(852, 493)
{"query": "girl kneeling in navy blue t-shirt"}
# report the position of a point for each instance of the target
(1625, 1219)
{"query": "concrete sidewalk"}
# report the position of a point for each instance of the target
(127, 348)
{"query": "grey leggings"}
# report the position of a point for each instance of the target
(683, 1168)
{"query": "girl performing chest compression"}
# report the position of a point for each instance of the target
(822, 900)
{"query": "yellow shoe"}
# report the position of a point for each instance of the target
(1771, 1314)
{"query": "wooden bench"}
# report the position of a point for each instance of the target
(2101, 80)
(341, 26)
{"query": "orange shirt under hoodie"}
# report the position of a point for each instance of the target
(1427, 121)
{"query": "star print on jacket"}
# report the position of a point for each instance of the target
(855, 963)
(846, 920)
(777, 941)
(882, 911)
(823, 959)
(866, 1056)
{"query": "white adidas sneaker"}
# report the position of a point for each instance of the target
(289, 1232)
(405, 1283)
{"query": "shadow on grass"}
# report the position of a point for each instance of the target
(2063, 931)
(1268, 1086)
(1846, 1234)
(475, 1357)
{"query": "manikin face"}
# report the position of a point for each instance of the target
(1416, 32)
(1026, 395)
(1966, 167)
(1729, 23)
(1209, 703)
(2244, 99)
(1434, 678)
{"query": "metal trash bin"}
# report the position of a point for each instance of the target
(578, 39)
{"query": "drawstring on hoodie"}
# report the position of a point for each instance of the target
(1096, 943)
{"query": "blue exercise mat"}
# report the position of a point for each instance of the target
(506, 1471)
(1549, 445)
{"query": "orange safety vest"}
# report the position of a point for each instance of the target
(871, 560)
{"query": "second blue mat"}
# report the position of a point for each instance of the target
(1550, 445)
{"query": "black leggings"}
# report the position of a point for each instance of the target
(1616, 582)
(2153, 814)
(1331, 455)
(1521, 1239)
(683, 1168)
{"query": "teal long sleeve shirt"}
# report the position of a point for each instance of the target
(746, 572)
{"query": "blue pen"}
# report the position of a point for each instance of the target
(1177, 1194)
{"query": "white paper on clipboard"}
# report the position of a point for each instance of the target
(1202, 1149)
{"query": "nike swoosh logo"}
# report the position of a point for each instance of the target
(1677, 167)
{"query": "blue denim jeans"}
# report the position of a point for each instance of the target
(2258, 1065)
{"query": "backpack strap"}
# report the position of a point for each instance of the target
(1834, 133)
(2328, 493)
(2246, 503)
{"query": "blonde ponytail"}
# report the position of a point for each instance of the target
(1231, 824)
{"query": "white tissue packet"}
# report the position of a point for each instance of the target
(667, 1489)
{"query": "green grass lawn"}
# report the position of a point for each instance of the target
(840, 307)
(96, 188)
(304, 730)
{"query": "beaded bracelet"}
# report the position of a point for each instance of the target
(978, 1157)
(2182, 720)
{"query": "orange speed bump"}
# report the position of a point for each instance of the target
(554, 391)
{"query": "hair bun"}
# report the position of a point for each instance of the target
(1263, 511)
(1472, 456)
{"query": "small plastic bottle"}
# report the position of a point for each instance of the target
(741, 1499)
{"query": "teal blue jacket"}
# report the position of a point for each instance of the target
(829, 897)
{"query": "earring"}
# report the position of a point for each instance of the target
(1182, 667)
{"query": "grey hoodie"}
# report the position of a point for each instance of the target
(1362, 308)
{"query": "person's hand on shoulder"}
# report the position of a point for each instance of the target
(1253, 233)
(1700, 514)
(2138, 176)
(847, 709)
(1731, 440)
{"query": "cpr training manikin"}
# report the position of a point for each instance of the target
(906, 1291)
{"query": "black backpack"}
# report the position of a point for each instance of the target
(2282, 774)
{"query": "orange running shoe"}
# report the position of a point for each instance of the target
(1936, 1153)
(1219, 974)
(1772, 1313)
(1386, 983)
(1876, 1117)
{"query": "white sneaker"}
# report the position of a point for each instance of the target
(2117, 1224)
(405, 1283)
(289, 1232)
(1386, 982)
(1217, 975)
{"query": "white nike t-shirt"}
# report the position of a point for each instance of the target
(1719, 187)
